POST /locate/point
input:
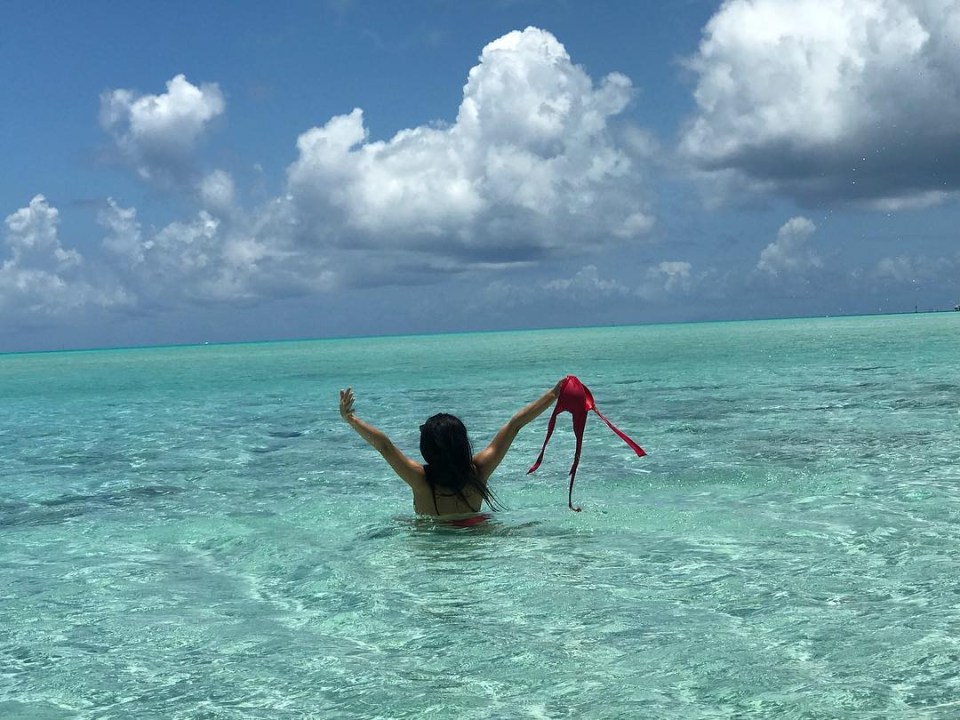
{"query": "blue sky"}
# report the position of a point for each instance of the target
(214, 172)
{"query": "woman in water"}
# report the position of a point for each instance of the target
(453, 482)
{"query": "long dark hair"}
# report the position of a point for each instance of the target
(446, 448)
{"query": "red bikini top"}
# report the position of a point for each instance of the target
(576, 399)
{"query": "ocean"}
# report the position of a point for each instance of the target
(192, 532)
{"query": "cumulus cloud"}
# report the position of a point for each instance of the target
(790, 254)
(586, 287)
(157, 134)
(125, 238)
(32, 237)
(209, 258)
(672, 278)
(905, 269)
(41, 277)
(587, 284)
(528, 168)
(217, 192)
(675, 274)
(852, 100)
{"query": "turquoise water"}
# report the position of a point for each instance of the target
(193, 533)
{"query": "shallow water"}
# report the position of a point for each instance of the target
(193, 533)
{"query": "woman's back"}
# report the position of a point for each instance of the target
(426, 502)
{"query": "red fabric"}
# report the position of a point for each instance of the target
(468, 521)
(576, 399)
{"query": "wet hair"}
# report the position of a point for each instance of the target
(446, 448)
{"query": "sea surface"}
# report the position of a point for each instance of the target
(192, 532)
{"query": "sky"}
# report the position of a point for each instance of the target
(185, 172)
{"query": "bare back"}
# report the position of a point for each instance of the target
(423, 503)
(426, 501)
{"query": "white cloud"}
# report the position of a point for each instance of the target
(587, 287)
(675, 274)
(633, 225)
(586, 284)
(32, 237)
(530, 166)
(210, 258)
(41, 277)
(671, 278)
(790, 254)
(125, 237)
(584, 288)
(217, 192)
(899, 269)
(917, 269)
(915, 201)
(157, 134)
(849, 100)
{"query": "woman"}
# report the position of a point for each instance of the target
(453, 482)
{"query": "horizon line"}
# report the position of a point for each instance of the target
(370, 336)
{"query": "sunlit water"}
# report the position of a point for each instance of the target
(193, 532)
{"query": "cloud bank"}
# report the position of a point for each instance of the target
(852, 101)
(531, 168)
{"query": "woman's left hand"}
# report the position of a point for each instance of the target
(558, 388)
(346, 403)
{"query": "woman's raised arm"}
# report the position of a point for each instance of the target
(489, 458)
(408, 470)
